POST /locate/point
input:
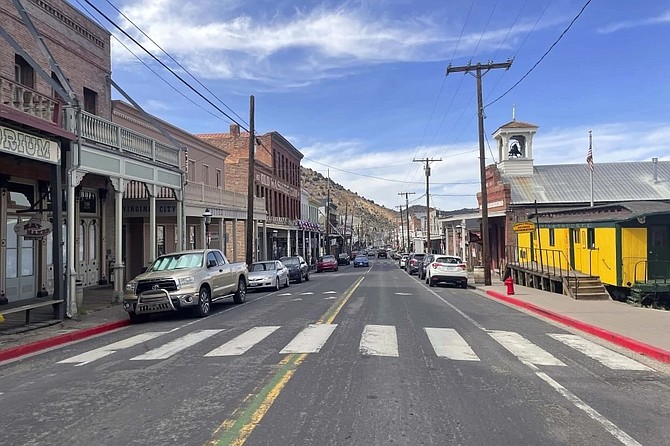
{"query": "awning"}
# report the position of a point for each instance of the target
(307, 225)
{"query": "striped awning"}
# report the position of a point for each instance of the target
(307, 225)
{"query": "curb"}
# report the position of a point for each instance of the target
(623, 341)
(22, 350)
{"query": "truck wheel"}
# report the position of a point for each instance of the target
(241, 293)
(204, 303)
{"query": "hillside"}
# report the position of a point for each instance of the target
(372, 214)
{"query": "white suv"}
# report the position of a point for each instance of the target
(447, 269)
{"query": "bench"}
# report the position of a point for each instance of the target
(31, 306)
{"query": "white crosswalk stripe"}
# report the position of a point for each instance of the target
(605, 356)
(523, 349)
(379, 340)
(310, 339)
(176, 346)
(242, 343)
(101, 352)
(447, 343)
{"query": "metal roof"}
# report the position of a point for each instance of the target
(604, 213)
(612, 182)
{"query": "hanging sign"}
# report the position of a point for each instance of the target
(33, 229)
(523, 226)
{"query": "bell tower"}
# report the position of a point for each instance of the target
(515, 147)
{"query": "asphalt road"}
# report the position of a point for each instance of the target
(355, 357)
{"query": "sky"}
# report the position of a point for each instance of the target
(361, 89)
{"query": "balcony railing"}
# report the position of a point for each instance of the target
(121, 139)
(215, 196)
(29, 101)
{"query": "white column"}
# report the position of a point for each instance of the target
(151, 189)
(180, 222)
(119, 267)
(464, 233)
(265, 241)
(288, 242)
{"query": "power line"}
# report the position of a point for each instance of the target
(164, 65)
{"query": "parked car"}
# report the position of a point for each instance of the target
(298, 269)
(326, 263)
(447, 269)
(361, 260)
(268, 274)
(413, 262)
(381, 254)
(185, 280)
(343, 259)
(424, 264)
(403, 260)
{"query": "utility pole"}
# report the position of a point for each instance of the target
(328, 216)
(427, 170)
(402, 231)
(407, 194)
(482, 155)
(250, 187)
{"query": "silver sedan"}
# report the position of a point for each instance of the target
(268, 274)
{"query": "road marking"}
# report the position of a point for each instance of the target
(310, 339)
(306, 294)
(329, 292)
(238, 430)
(297, 299)
(379, 340)
(447, 343)
(101, 352)
(330, 298)
(176, 346)
(285, 294)
(404, 294)
(603, 355)
(243, 342)
(523, 349)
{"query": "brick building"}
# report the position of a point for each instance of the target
(277, 182)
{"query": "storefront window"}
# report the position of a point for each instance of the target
(80, 237)
(92, 245)
(12, 251)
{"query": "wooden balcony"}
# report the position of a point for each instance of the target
(216, 197)
(27, 100)
(123, 140)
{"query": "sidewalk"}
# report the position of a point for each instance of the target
(642, 330)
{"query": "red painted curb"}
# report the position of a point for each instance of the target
(631, 344)
(22, 350)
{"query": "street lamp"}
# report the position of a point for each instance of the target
(207, 215)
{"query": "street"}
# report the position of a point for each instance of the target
(361, 356)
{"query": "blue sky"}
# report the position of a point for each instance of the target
(359, 87)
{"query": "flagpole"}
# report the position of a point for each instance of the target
(591, 166)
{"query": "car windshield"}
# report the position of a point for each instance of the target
(262, 266)
(288, 261)
(362, 257)
(177, 261)
(327, 258)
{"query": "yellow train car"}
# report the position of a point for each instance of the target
(624, 244)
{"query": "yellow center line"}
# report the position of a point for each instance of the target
(237, 430)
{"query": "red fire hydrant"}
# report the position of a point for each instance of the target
(509, 283)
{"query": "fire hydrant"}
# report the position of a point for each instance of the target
(509, 283)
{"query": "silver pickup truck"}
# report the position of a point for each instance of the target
(187, 280)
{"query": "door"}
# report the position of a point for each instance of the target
(21, 280)
(659, 252)
(88, 262)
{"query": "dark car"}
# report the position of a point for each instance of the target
(381, 254)
(413, 262)
(423, 265)
(298, 269)
(361, 260)
(343, 259)
(326, 263)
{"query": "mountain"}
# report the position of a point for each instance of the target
(372, 215)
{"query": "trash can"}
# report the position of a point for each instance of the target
(479, 274)
(79, 296)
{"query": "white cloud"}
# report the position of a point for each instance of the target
(628, 24)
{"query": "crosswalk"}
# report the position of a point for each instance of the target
(375, 340)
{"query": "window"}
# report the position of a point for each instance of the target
(205, 174)
(80, 238)
(552, 237)
(160, 240)
(191, 170)
(219, 177)
(90, 101)
(23, 72)
(591, 238)
(92, 241)
(575, 235)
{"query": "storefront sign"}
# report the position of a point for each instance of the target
(29, 146)
(140, 208)
(523, 226)
(33, 229)
(275, 184)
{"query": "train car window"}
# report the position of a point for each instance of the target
(591, 238)
(552, 237)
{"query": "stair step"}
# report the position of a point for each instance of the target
(592, 296)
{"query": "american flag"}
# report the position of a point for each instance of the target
(589, 158)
